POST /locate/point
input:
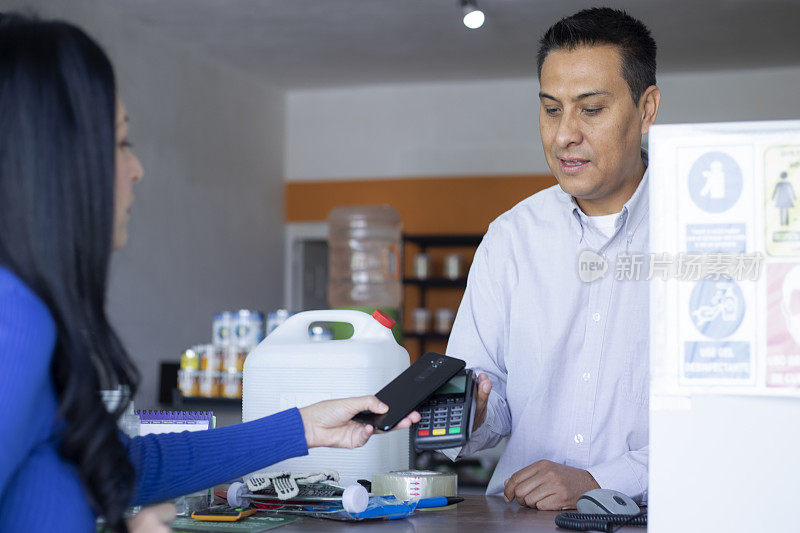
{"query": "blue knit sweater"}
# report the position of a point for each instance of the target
(40, 491)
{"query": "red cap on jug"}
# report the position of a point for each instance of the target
(383, 318)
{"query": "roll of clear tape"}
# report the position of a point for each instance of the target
(415, 484)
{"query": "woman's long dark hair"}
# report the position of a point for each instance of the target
(57, 146)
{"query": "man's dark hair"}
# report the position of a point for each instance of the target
(600, 26)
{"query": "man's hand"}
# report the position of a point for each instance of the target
(549, 486)
(482, 389)
(329, 423)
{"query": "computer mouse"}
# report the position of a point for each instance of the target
(606, 501)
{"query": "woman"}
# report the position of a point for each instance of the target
(63, 138)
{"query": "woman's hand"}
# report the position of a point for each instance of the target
(329, 423)
(152, 519)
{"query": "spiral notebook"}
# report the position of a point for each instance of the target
(155, 422)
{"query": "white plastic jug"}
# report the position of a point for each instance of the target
(290, 369)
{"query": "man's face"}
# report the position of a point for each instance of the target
(591, 129)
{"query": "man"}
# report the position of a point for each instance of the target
(564, 357)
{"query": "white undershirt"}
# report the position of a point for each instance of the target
(605, 223)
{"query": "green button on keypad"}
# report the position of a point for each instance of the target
(455, 430)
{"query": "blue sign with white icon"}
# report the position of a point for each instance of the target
(715, 182)
(717, 307)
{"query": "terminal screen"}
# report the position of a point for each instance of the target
(456, 385)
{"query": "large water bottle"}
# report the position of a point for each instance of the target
(364, 259)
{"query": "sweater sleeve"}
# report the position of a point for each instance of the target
(173, 464)
(27, 339)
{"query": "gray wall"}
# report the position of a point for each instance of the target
(207, 226)
(486, 127)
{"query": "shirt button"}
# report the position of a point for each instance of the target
(578, 438)
(586, 376)
(596, 317)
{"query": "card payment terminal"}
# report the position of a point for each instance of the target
(445, 415)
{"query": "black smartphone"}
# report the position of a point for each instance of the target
(411, 388)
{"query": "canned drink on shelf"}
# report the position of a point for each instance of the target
(229, 357)
(232, 384)
(190, 359)
(422, 266)
(444, 321)
(210, 358)
(452, 266)
(248, 328)
(233, 358)
(420, 318)
(189, 382)
(209, 384)
(276, 318)
(222, 328)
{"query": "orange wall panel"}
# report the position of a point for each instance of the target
(426, 205)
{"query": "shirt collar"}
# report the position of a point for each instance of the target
(637, 207)
(632, 214)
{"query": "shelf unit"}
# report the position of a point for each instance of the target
(423, 243)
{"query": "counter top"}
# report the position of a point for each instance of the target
(475, 513)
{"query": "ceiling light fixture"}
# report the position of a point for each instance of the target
(473, 17)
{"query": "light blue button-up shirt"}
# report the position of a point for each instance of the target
(568, 359)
